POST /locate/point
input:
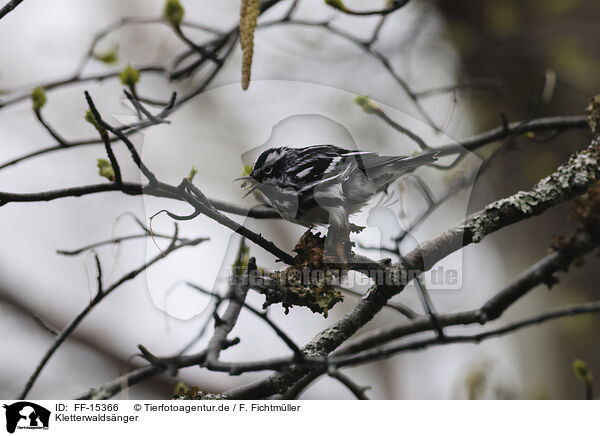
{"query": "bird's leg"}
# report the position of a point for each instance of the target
(338, 248)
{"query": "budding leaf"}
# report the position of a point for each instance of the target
(181, 389)
(581, 370)
(366, 104)
(106, 169)
(38, 98)
(192, 174)
(173, 12)
(247, 170)
(336, 4)
(108, 57)
(129, 76)
(90, 118)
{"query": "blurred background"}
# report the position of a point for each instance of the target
(304, 81)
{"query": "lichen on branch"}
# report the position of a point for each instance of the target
(569, 180)
(308, 282)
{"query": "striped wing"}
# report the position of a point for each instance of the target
(321, 163)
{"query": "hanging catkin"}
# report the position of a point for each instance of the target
(249, 12)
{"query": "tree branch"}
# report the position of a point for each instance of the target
(395, 5)
(225, 324)
(569, 180)
(64, 334)
(9, 7)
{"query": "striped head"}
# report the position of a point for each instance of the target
(271, 165)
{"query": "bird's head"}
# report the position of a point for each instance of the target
(268, 169)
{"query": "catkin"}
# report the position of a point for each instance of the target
(249, 12)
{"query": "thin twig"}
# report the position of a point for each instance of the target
(66, 332)
(395, 5)
(9, 7)
(358, 391)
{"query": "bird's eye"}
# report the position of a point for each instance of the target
(268, 170)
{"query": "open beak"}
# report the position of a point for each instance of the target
(253, 188)
(248, 179)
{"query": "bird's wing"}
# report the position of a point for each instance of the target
(317, 164)
(327, 163)
(367, 161)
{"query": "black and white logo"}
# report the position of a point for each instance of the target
(26, 415)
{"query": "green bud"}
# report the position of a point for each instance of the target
(173, 12)
(90, 118)
(129, 76)
(581, 370)
(366, 104)
(181, 389)
(192, 174)
(336, 4)
(38, 97)
(108, 57)
(106, 169)
(247, 170)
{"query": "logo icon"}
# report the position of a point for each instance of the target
(26, 415)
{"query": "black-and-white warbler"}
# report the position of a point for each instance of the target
(325, 184)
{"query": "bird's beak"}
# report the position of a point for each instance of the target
(251, 180)
(252, 189)
(242, 178)
(246, 179)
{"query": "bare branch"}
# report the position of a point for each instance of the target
(225, 324)
(9, 7)
(394, 6)
(358, 391)
(66, 332)
(387, 351)
(571, 179)
(262, 315)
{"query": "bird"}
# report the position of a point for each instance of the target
(323, 185)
